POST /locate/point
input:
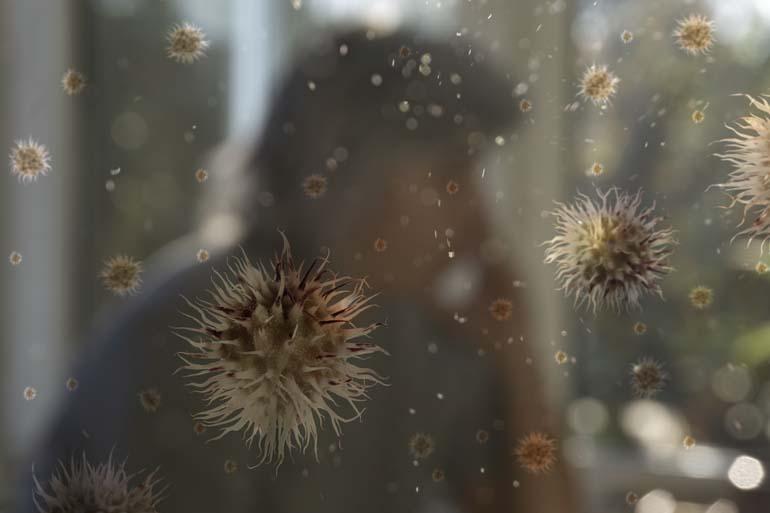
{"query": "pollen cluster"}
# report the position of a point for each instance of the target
(29, 160)
(186, 43)
(276, 352)
(610, 253)
(598, 84)
(749, 182)
(695, 34)
(82, 487)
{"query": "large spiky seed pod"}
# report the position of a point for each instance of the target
(610, 253)
(106, 487)
(748, 183)
(277, 349)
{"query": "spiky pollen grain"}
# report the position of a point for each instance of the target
(276, 350)
(536, 452)
(186, 43)
(647, 378)
(421, 445)
(314, 186)
(82, 487)
(695, 34)
(29, 160)
(748, 184)
(121, 275)
(73, 82)
(701, 297)
(609, 253)
(598, 84)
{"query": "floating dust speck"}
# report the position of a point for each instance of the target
(202, 255)
(380, 245)
(376, 80)
(230, 467)
(14, 258)
(30, 393)
(561, 357)
(688, 442)
(201, 175)
(626, 36)
(150, 400)
(631, 498)
(452, 187)
(71, 384)
(761, 268)
(437, 475)
(525, 105)
(199, 428)
(482, 436)
(640, 328)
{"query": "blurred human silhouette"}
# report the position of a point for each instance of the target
(399, 127)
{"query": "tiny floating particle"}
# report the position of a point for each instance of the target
(525, 105)
(421, 445)
(199, 428)
(150, 400)
(610, 253)
(640, 328)
(701, 297)
(698, 116)
(29, 160)
(314, 186)
(596, 169)
(202, 255)
(380, 245)
(688, 442)
(598, 84)
(73, 82)
(761, 268)
(230, 467)
(14, 258)
(695, 34)
(187, 43)
(482, 436)
(647, 378)
(30, 393)
(437, 475)
(626, 36)
(536, 452)
(201, 175)
(501, 309)
(560, 357)
(631, 498)
(452, 187)
(71, 384)
(121, 275)
(104, 487)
